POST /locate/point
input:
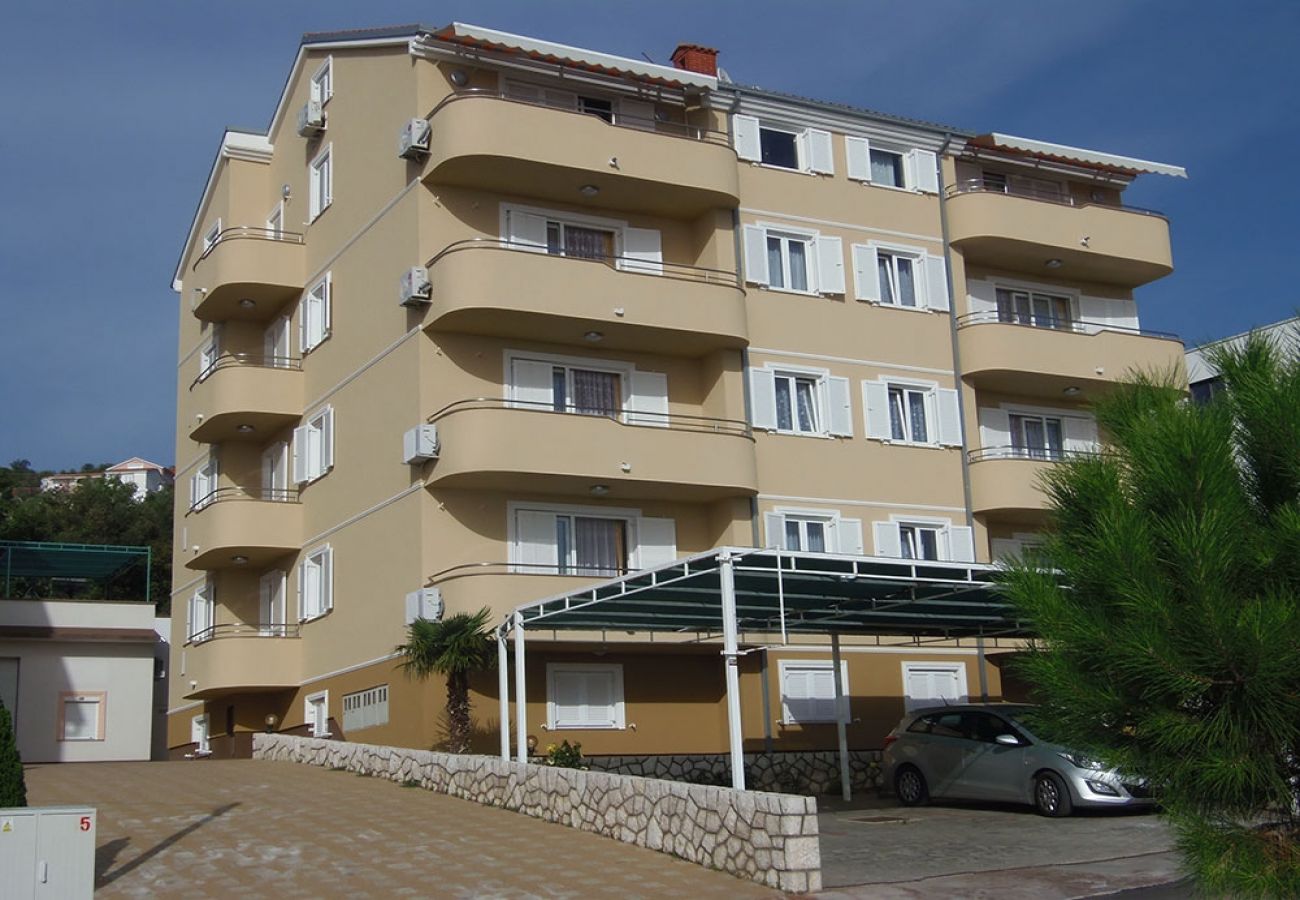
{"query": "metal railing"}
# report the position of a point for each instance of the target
(650, 125)
(575, 570)
(625, 417)
(248, 232)
(1063, 197)
(1049, 323)
(244, 629)
(260, 495)
(629, 264)
(247, 360)
(1035, 454)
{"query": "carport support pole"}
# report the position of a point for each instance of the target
(841, 717)
(731, 658)
(521, 707)
(503, 691)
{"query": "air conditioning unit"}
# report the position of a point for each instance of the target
(311, 118)
(420, 444)
(413, 142)
(415, 289)
(426, 603)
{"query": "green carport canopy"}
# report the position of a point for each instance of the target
(100, 563)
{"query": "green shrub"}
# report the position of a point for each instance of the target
(13, 787)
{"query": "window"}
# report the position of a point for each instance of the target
(317, 714)
(210, 352)
(316, 584)
(272, 614)
(584, 695)
(321, 179)
(583, 237)
(211, 236)
(912, 412)
(1025, 186)
(808, 691)
(1033, 308)
(897, 167)
(313, 447)
(275, 221)
(793, 400)
(813, 531)
(81, 716)
(1039, 437)
(902, 277)
(203, 484)
(365, 709)
(798, 149)
(322, 82)
(563, 239)
(588, 387)
(1035, 433)
(1026, 546)
(916, 537)
(897, 278)
(805, 534)
(935, 684)
(793, 260)
(201, 614)
(787, 261)
(314, 314)
(1205, 391)
(589, 541)
(887, 168)
(597, 106)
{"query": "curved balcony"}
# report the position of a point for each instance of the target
(513, 446)
(1003, 479)
(235, 527)
(242, 658)
(1075, 359)
(246, 396)
(244, 266)
(1018, 230)
(513, 290)
(482, 139)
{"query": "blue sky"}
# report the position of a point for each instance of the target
(112, 112)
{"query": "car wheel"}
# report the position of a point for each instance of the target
(1051, 796)
(910, 786)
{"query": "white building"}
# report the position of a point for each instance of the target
(146, 476)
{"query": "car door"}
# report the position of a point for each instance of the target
(991, 771)
(942, 756)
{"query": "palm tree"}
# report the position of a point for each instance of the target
(456, 647)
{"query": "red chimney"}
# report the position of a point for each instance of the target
(694, 58)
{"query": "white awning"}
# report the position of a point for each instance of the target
(1078, 155)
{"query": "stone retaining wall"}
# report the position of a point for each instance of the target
(794, 772)
(769, 838)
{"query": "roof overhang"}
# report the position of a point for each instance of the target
(780, 592)
(1060, 153)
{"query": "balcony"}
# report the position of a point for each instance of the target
(483, 140)
(1055, 358)
(512, 290)
(247, 273)
(235, 657)
(1019, 229)
(246, 396)
(1006, 480)
(500, 445)
(235, 527)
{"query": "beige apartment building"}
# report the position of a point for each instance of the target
(483, 319)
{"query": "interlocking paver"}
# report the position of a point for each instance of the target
(223, 828)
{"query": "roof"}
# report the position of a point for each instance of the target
(135, 463)
(852, 110)
(1199, 368)
(778, 591)
(1127, 165)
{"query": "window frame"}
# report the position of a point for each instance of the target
(320, 558)
(920, 288)
(100, 701)
(800, 164)
(785, 237)
(1027, 451)
(202, 740)
(784, 668)
(275, 220)
(794, 375)
(318, 730)
(618, 719)
(321, 293)
(901, 167)
(212, 236)
(929, 400)
(198, 632)
(321, 86)
(315, 435)
(1013, 317)
(637, 543)
(959, 668)
(320, 180)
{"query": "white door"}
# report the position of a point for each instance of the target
(199, 734)
(276, 343)
(275, 471)
(319, 719)
(933, 684)
(271, 621)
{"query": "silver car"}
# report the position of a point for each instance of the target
(985, 752)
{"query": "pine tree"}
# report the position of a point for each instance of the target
(1169, 612)
(13, 787)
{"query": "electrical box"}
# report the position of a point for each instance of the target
(415, 289)
(413, 142)
(426, 603)
(420, 444)
(48, 851)
(311, 118)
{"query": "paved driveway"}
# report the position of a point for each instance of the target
(228, 828)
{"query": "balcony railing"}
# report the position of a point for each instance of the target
(631, 265)
(632, 418)
(622, 120)
(1032, 192)
(247, 360)
(248, 232)
(263, 495)
(994, 317)
(244, 629)
(1037, 454)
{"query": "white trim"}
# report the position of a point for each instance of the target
(845, 502)
(317, 200)
(873, 648)
(957, 667)
(870, 363)
(847, 226)
(1078, 154)
(352, 668)
(619, 708)
(175, 710)
(618, 226)
(325, 68)
(308, 712)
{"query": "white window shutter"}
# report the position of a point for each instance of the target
(821, 156)
(947, 403)
(961, 543)
(648, 404)
(1080, 434)
(302, 591)
(656, 541)
(636, 114)
(534, 545)
(300, 439)
(189, 618)
(981, 296)
(756, 255)
(762, 398)
(530, 384)
(774, 531)
(642, 251)
(924, 165)
(888, 542)
(866, 274)
(744, 130)
(302, 324)
(857, 152)
(850, 536)
(936, 283)
(995, 428)
(830, 265)
(327, 580)
(875, 406)
(326, 441)
(1104, 312)
(526, 230)
(326, 301)
(839, 410)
